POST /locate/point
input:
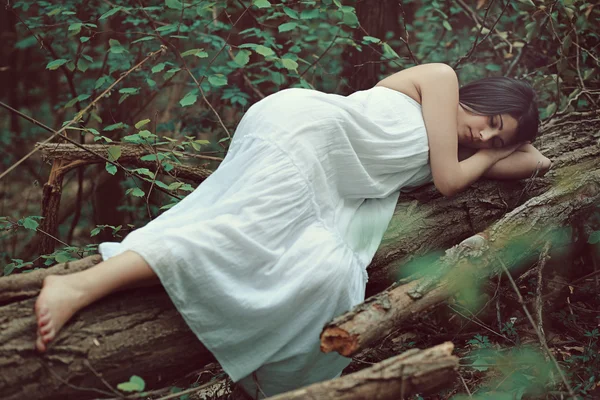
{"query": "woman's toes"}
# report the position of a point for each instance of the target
(45, 329)
(39, 344)
(47, 337)
(44, 320)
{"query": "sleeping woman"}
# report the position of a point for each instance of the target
(276, 242)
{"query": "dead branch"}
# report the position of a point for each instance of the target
(130, 156)
(414, 371)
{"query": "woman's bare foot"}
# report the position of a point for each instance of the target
(60, 298)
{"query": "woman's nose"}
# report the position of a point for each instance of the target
(486, 135)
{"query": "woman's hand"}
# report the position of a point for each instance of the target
(524, 162)
(497, 154)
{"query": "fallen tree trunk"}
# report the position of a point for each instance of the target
(134, 332)
(414, 371)
(425, 221)
(531, 226)
(141, 332)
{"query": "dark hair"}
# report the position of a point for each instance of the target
(502, 95)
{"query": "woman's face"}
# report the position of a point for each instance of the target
(483, 131)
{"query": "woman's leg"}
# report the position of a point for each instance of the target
(64, 295)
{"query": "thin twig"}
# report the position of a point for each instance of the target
(537, 331)
(89, 365)
(482, 325)
(322, 54)
(465, 385)
(475, 44)
(64, 382)
(544, 256)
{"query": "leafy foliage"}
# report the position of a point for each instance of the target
(221, 57)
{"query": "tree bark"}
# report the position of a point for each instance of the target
(130, 156)
(135, 332)
(414, 371)
(141, 332)
(525, 230)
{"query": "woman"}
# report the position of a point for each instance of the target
(276, 242)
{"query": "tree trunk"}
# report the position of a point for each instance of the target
(414, 371)
(135, 332)
(376, 18)
(514, 240)
(141, 332)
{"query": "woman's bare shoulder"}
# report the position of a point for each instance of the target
(409, 80)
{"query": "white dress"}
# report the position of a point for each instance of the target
(275, 243)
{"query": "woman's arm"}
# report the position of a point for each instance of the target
(436, 85)
(525, 162)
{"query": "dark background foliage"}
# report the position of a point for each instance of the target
(218, 58)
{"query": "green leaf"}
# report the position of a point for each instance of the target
(145, 38)
(447, 25)
(9, 268)
(82, 65)
(310, 13)
(54, 12)
(81, 97)
(550, 110)
(594, 237)
(200, 53)
(75, 28)
(480, 361)
(118, 125)
(261, 3)
(136, 192)
(288, 26)
(151, 82)
(84, 39)
(95, 231)
(493, 67)
(371, 39)
(111, 169)
(129, 90)
(291, 13)
(52, 65)
(135, 384)
(242, 57)
(30, 223)
(174, 4)
(217, 80)
(189, 99)
(164, 28)
(141, 123)
(114, 152)
(109, 13)
(144, 171)
(158, 67)
(289, 64)
(115, 47)
(264, 50)
(529, 4)
(169, 74)
(350, 19)
(101, 81)
(62, 258)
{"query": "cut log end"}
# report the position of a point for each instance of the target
(337, 339)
